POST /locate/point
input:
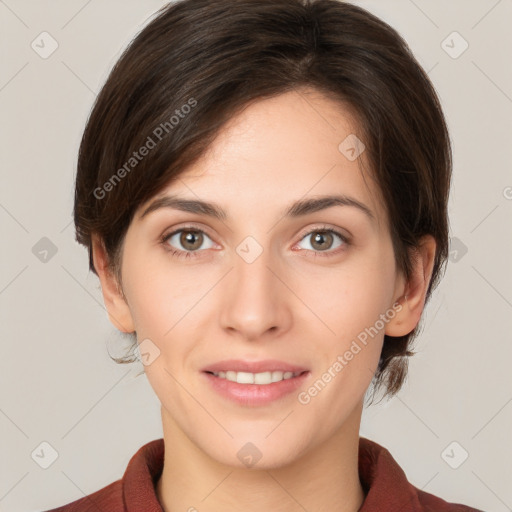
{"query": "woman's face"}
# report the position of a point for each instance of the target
(260, 283)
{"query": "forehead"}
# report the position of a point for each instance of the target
(277, 150)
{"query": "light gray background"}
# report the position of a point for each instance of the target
(57, 382)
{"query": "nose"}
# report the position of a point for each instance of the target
(256, 302)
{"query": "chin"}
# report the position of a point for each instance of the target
(255, 451)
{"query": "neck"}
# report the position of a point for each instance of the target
(325, 478)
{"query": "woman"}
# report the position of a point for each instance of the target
(263, 187)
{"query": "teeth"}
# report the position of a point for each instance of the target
(256, 378)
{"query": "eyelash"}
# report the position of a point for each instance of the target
(193, 254)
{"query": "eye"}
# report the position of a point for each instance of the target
(188, 240)
(323, 239)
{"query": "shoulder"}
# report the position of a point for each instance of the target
(108, 498)
(387, 488)
(430, 503)
(134, 489)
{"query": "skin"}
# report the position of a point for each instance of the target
(287, 305)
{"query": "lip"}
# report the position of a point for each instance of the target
(267, 365)
(255, 394)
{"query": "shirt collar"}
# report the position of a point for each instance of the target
(384, 482)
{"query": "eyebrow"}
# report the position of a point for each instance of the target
(297, 209)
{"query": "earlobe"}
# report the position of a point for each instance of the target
(412, 301)
(117, 308)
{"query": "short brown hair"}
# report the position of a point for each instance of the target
(199, 62)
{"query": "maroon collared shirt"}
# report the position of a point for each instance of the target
(383, 480)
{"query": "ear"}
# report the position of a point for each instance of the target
(413, 292)
(117, 308)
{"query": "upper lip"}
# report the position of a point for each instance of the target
(267, 365)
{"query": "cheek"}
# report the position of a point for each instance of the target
(155, 295)
(350, 301)
(350, 297)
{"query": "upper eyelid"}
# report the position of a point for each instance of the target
(173, 231)
(326, 227)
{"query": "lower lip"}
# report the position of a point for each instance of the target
(255, 394)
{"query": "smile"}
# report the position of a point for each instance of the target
(256, 378)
